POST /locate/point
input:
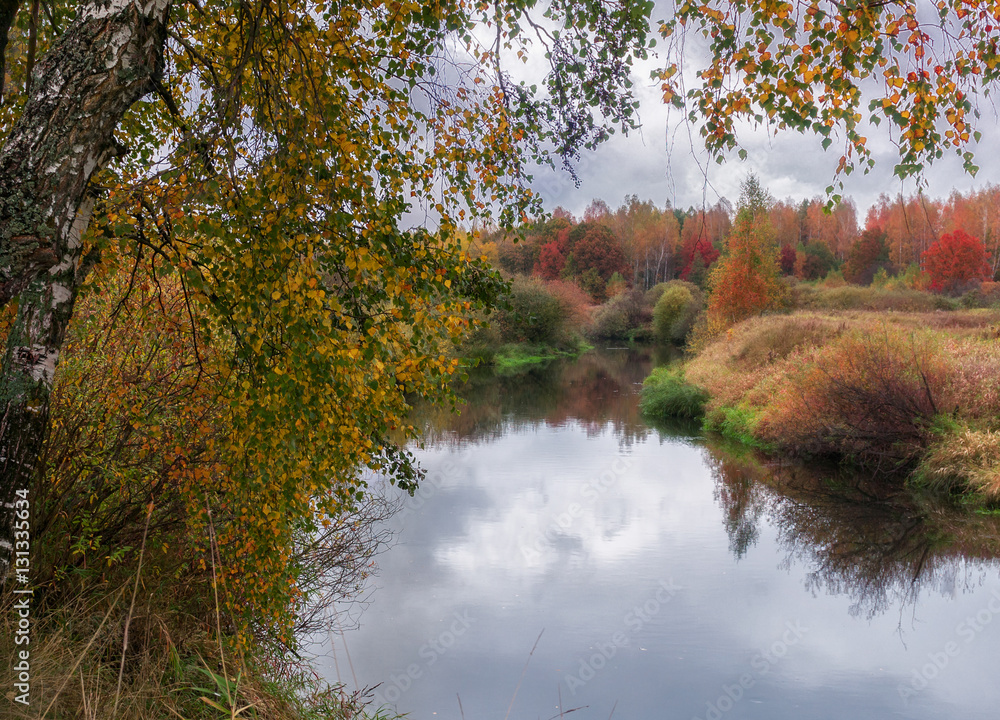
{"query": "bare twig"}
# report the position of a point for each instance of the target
(131, 607)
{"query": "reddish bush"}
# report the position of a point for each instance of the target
(870, 398)
(576, 302)
(956, 260)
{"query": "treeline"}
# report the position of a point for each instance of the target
(640, 245)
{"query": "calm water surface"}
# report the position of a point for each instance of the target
(562, 554)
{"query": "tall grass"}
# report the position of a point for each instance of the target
(170, 667)
(965, 458)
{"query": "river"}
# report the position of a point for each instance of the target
(563, 555)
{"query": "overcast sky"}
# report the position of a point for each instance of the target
(663, 162)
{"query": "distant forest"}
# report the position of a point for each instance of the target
(645, 245)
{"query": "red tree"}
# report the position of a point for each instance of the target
(746, 280)
(692, 250)
(550, 261)
(868, 254)
(598, 248)
(957, 258)
(787, 259)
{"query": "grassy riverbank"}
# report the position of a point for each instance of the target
(112, 656)
(542, 321)
(912, 394)
(515, 358)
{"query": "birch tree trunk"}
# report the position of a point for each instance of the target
(80, 90)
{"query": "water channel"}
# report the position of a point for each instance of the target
(564, 555)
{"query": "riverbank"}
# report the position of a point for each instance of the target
(116, 655)
(913, 395)
(515, 358)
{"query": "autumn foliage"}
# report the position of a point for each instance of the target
(889, 394)
(746, 281)
(550, 261)
(870, 397)
(956, 260)
(867, 255)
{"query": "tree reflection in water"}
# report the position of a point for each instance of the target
(598, 390)
(879, 547)
(858, 538)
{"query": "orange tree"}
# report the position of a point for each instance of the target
(746, 280)
(811, 65)
(262, 159)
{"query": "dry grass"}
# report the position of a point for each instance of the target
(870, 386)
(965, 458)
(170, 663)
(855, 297)
(747, 360)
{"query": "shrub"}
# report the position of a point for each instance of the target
(665, 394)
(535, 315)
(482, 343)
(834, 279)
(620, 316)
(616, 285)
(986, 295)
(653, 294)
(576, 303)
(538, 312)
(912, 278)
(867, 397)
(989, 293)
(675, 311)
(610, 322)
(737, 423)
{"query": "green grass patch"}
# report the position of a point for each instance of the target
(736, 423)
(516, 358)
(665, 394)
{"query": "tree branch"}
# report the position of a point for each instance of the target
(8, 9)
